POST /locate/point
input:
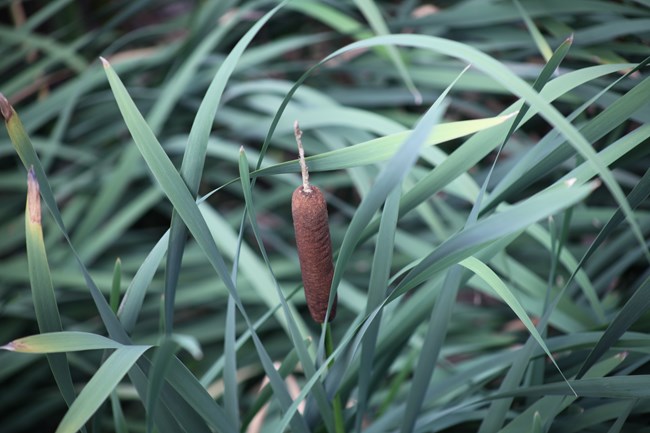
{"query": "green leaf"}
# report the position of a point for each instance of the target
(489, 276)
(43, 296)
(194, 158)
(116, 286)
(382, 148)
(636, 306)
(56, 342)
(379, 276)
(470, 240)
(633, 386)
(99, 387)
(161, 362)
(373, 15)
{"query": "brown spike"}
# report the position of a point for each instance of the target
(309, 211)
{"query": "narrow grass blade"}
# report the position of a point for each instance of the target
(633, 386)
(553, 62)
(159, 365)
(477, 147)
(543, 47)
(570, 264)
(547, 157)
(636, 197)
(48, 45)
(45, 305)
(218, 366)
(100, 387)
(114, 299)
(194, 159)
(377, 288)
(133, 298)
(230, 393)
(373, 15)
(288, 366)
(119, 422)
(468, 241)
(167, 176)
(489, 276)
(549, 406)
(390, 176)
(431, 347)
(25, 150)
(57, 342)
(633, 309)
(382, 148)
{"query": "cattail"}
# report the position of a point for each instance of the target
(309, 211)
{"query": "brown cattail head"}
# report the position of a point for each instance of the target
(309, 212)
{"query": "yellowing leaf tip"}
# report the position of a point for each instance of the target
(595, 184)
(5, 107)
(570, 182)
(9, 346)
(33, 197)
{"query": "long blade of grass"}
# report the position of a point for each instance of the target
(372, 14)
(119, 422)
(165, 351)
(45, 305)
(634, 308)
(431, 347)
(377, 288)
(470, 240)
(162, 360)
(543, 47)
(390, 176)
(382, 148)
(58, 342)
(549, 406)
(99, 387)
(194, 158)
(230, 399)
(134, 297)
(114, 299)
(633, 386)
(173, 89)
(489, 276)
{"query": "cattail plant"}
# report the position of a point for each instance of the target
(309, 211)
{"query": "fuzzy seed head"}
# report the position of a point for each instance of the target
(309, 211)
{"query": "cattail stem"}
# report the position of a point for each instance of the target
(301, 155)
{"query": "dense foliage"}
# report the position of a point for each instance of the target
(489, 224)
